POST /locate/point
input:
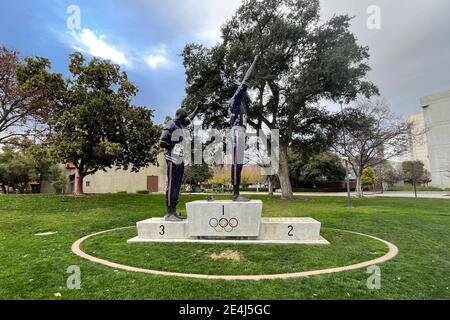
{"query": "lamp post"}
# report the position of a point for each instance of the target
(349, 196)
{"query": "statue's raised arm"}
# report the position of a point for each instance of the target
(236, 100)
(194, 113)
(251, 71)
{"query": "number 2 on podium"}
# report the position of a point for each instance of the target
(291, 228)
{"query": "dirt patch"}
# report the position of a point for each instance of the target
(226, 255)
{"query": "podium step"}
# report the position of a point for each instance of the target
(158, 228)
(230, 222)
(296, 229)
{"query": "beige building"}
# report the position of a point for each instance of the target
(436, 111)
(434, 148)
(418, 146)
(152, 179)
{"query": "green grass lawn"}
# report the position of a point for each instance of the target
(34, 267)
(346, 249)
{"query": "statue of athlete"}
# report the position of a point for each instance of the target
(238, 112)
(172, 140)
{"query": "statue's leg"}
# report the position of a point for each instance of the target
(178, 182)
(169, 182)
(174, 178)
(238, 162)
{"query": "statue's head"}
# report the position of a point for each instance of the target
(182, 117)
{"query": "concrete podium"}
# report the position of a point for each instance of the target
(230, 222)
(224, 219)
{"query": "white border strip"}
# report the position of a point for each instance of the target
(393, 252)
(321, 241)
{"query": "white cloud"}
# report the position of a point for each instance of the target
(158, 58)
(156, 61)
(87, 41)
(196, 20)
(210, 37)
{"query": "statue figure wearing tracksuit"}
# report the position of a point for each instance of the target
(238, 112)
(172, 140)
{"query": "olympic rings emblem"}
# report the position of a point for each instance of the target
(224, 224)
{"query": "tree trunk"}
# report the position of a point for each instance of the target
(415, 188)
(359, 188)
(270, 186)
(79, 184)
(283, 174)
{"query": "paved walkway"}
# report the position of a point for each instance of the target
(389, 194)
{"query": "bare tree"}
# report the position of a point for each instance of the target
(426, 178)
(389, 174)
(372, 135)
(22, 113)
(259, 154)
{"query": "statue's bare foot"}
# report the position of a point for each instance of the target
(238, 198)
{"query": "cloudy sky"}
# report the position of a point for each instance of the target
(409, 44)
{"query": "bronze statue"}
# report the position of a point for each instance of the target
(238, 112)
(174, 154)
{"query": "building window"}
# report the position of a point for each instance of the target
(88, 184)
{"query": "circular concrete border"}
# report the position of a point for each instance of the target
(393, 252)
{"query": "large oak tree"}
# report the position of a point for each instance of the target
(94, 125)
(302, 62)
